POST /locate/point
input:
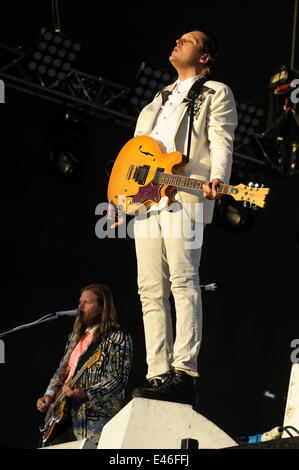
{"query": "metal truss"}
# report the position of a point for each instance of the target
(92, 95)
(96, 97)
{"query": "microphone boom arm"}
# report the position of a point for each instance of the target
(44, 319)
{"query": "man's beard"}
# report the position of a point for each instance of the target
(87, 322)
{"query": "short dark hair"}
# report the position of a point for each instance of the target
(211, 47)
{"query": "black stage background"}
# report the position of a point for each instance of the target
(50, 249)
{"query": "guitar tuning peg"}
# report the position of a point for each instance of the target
(245, 204)
(262, 185)
(256, 185)
(254, 207)
(250, 184)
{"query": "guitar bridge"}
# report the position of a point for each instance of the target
(140, 174)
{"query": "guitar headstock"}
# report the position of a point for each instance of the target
(253, 194)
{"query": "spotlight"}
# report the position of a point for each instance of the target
(281, 78)
(249, 117)
(149, 81)
(228, 214)
(279, 142)
(66, 162)
(54, 56)
(65, 151)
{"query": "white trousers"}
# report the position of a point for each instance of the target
(168, 248)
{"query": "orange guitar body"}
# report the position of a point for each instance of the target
(60, 416)
(130, 186)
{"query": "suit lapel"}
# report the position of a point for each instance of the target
(150, 112)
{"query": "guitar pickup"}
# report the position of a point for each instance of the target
(130, 171)
(140, 174)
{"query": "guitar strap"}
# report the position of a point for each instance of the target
(90, 351)
(192, 96)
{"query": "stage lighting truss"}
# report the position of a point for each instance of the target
(33, 73)
(149, 81)
(100, 98)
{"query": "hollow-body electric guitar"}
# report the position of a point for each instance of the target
(58, 410)
(143, 173)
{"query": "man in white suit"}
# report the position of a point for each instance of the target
(166, 262)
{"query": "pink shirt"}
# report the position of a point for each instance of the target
(80, 347)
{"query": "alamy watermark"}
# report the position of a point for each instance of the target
(295, 353)
(295, 93)
(184, 223)
(2, 352)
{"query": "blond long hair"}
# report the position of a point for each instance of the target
(107, 318)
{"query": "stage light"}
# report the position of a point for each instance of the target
(65, 149)
(249, 117)
(282, 76)
(279, 142)
(66, 162)
(54, 56)
(230, 215)
(148, 82)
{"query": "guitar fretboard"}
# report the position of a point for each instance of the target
(71, 384)
(191, 183)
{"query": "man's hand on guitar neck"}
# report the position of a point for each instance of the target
(113, 216)
(210, 189)
(78, 392)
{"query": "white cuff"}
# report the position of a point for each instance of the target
(216, 177)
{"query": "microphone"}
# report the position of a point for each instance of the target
(68, 313)
(212, 287)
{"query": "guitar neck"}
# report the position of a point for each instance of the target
(181, 181)
(71, 384)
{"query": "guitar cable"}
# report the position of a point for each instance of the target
(106, 167)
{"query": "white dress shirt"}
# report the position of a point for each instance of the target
(165, 124)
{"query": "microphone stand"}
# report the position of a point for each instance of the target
(44, 319)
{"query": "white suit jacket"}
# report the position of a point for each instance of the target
(215, 119)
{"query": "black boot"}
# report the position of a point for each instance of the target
(153, 383)
(180, 388)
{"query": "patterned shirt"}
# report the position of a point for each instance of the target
(104, 382)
